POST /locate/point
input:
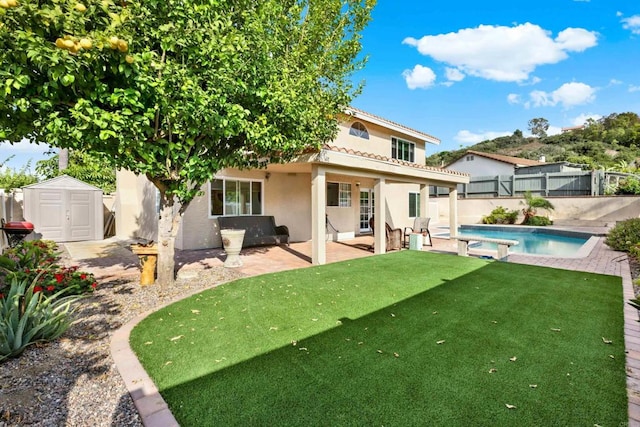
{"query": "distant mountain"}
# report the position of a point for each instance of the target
(612, 143)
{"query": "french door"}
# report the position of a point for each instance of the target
(366, 209)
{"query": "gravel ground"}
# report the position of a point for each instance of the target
(73, 381)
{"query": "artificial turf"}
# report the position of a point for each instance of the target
(407, 338)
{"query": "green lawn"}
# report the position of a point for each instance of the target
(407, 338)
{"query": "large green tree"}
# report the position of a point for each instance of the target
(177, 90)
(80, 165)
(538, 126)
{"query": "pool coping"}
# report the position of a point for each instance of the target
(584, 251)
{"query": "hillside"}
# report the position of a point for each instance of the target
(612, 142)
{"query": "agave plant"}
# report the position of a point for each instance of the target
(27, 317)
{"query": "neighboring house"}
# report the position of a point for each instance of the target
(373, 166)
(572, 128)
(555, 167)
(476, 163)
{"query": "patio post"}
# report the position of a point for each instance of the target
(424, 200)
(318, 216)
(380, 241)
(453, 210)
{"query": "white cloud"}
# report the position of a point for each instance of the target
(618, 13)
(23, 146)
(502, 53)
(634, 88)
(468, 137)
(420, 77)
(568, 95)
(554, 130)
(632, 23)
(582, 119)
(454, 75)
(614, 82)
(513, 98)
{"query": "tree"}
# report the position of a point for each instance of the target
(179, 90)
(538, 127)
(83, 166)
(13, 178)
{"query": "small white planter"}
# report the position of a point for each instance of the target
(232, 242)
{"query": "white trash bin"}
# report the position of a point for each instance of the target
(415, 241)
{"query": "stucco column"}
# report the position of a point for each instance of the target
(424, 201)
(453, 210)
(318, 216)
(380, 240)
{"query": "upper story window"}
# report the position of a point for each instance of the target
(403, 150)
(469, 158)
(235, 197)
(359, 130)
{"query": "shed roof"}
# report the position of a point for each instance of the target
(62, 182)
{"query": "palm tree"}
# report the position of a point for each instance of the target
(532, 204)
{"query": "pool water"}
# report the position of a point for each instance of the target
(533, 241)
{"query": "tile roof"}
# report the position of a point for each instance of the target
(390, 160)
(518, 161)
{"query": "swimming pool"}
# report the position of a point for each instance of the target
(533, 240)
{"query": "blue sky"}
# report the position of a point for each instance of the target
(466, 71)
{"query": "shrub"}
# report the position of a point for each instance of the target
(500, 215)
(625, 235)
(629, 185)
(533, 203)
(537, 220)
(35, 261)
(28, 316)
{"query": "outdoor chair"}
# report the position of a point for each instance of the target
(393, 235)
(420, 225)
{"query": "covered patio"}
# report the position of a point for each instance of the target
(383, 173)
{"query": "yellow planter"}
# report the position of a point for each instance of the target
(148, 256)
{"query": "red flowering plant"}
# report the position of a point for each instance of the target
(32, 258)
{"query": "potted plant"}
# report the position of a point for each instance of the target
(232, 242)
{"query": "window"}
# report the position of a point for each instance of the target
(359, 130)
(403, 150)
(235, 197)
(469, 158)
(414, 205)
(338, 194)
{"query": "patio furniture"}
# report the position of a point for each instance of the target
(503, 245)
(420, 225)
(260, 230)
(393, 235)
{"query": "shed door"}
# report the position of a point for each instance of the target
(79, 215)
(50, 214)
(65, 215)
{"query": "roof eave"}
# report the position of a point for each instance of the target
(381, 122)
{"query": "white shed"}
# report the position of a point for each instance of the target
(65, 209)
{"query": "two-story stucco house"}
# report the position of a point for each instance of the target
(373, 166)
